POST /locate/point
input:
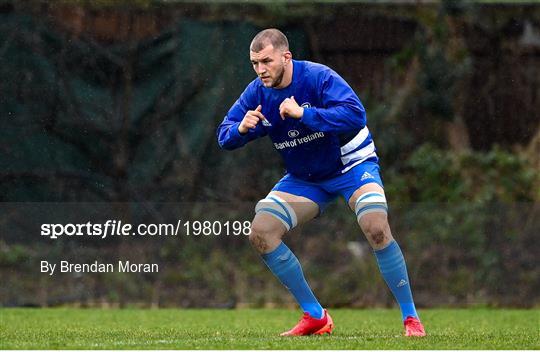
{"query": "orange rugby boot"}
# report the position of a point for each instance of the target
(311, 326)
(413, 327)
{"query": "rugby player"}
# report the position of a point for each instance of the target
(318, 125)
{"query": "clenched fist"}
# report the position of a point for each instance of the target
(289, 107)
(251, 120)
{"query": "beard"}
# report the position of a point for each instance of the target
(279, 78)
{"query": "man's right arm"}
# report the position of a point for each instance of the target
(228, 133)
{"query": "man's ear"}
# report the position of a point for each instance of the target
(288, 56)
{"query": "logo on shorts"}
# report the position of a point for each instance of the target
(305, 105)
(366, 175)
(266, 123)
(293, 133)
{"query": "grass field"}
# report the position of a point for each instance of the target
(65, 328)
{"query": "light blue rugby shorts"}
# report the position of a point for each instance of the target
(323, 192)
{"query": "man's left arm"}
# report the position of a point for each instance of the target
(342, 110)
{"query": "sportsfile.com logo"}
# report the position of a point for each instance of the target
(120, 228)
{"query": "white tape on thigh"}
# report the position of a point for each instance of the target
(278, 208)
(370, 202)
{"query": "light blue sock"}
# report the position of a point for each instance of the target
(394, 271)
(284, 264)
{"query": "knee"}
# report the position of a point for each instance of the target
(377, 233)
(263, 237)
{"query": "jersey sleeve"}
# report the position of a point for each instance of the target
(342, 110)
(227, 133)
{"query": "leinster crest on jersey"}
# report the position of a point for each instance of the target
(293, 133)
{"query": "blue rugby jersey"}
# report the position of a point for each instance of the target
(330, 138)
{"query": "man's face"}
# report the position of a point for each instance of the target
(269, 64)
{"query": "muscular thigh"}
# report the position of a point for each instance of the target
(368, 187)
(304, 209)
(273, 219)
(373, 223)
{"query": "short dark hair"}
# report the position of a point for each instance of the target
(269, 36)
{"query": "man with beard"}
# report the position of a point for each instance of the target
(318, 125)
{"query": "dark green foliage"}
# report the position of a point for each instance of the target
(84, 121)
(437, 175)
(136, 122)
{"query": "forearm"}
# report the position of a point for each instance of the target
(229, 137)
(340, 118)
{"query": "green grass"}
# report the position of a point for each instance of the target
(65, 328)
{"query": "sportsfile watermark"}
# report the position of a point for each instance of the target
(119, 228)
